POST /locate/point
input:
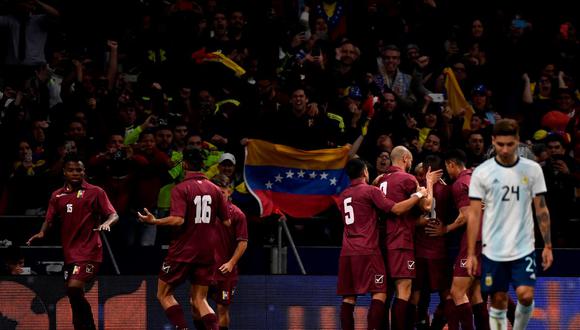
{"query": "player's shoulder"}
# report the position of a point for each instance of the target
(529, 164)
(485, 167)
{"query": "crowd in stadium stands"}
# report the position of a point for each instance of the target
(127, 85)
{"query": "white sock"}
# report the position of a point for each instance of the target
(497, 319)
(523, 315)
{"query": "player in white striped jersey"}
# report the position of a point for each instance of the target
(508, 184)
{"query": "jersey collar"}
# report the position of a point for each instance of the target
(507, 166)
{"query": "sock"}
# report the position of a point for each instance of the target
(198, 324)
(375, 315)
(439, 318)
(347, 316)
(451, 314)
(176, 317)
(511, 312)
(480, 316)
(81, 309)
(224, 328)
(523, 314)
(210, 321)
(398, 314)
(465, 316)
(497, 319)
(411, 316)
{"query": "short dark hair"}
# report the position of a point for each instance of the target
(355, 168)
(555, 137)
(457, 156)
(433, 161)
(194, 159)
(71, 157)
(506, 127)
(221, 180)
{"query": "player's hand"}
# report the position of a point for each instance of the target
(103, 227)
(423, 191)
(471, 265)
(226, 268)
(39, 235)
(435, 228)
(433, 176)
(147, 217)
(547, 258)
(227, 222)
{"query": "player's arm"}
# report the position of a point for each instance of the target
(106, 208)
(440, 229)
(473, 218)
(427, 203)
(149, 218)
(112, 219)
(406, 205)
(240, 249)
(40, 234)
(543, 216)
(50, 214)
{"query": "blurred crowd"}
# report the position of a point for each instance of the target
(127, 85)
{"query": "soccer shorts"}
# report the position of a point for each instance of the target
(84, 271)
(497, 275)
(432, 274)
(401, 263)
(358, 275)
(223, 291)
(460, 265)
(173, 272)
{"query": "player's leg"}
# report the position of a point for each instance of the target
(347, 312)
(479, 306)
(495, 282)
(498, 311)
(524, 281)
(463, 311)
(197, 322)
(81, 309)
(223, 312)
(199, 297)
(525, 306)
(399, 310)
(172, 308)
(376, 312)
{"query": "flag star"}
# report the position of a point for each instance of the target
(289, 174)
(333, 182)
(323, 176)
(301, 174)
(269, 185)
(278, 178)
(312, 175)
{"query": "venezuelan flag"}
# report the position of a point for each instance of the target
(295, 182)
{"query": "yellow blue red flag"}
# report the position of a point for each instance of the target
(295, 182)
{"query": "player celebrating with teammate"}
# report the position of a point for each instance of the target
(361, 267)
(196, 203)
(508, 184)
(83, 210)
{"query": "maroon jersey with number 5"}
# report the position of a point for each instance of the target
(359, 205)
(200, 203)
(80, 211)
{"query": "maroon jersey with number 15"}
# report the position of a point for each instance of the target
(200, 203)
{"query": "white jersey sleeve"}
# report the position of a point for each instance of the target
(538, 183)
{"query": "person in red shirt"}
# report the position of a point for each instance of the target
(232, 243)
(398, 185)
(196, 204)
(83, 210)
(361, 267)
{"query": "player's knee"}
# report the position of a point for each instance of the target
(526, 298)
(223, 312)
(74, 293)
(198, 302)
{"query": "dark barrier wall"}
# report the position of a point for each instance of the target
(264, 302)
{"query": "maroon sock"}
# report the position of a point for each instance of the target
(224, 328)
(451, 314)
(465, 316)
(176, 317)
(210, 321)
(198, 324)
(82, 314)
(511, 312)
(411, 317)
(399, 314)
(347, 316)
(481, 316)
(439, 318)
(376, 314)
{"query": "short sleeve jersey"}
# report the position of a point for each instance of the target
(398, 186)
(508, 192)
(200, 203)
(359, 205)
(433, 247)
(79, 212)
(229, 236)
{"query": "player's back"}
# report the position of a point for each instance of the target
(427, 246)
(508, 192)
(200, 203)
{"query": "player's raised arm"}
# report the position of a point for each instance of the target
(473, 216)
(149, 218)
(543, 216)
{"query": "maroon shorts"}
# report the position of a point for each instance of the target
(460, 266)
(174, 272)
(401, 263)
(224, 290)
(358, 275)
(84, 271)
(432, 274)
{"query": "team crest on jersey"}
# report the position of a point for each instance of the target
(410, 264)
(165, 268)
(80, 193)
(225, 295)
(76, 270)
(379, 279)
(525, 180)
(488, 280)
(89, 268)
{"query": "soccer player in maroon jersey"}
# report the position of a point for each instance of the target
(231, 245)
(361, 268)
(196, 204)
(399, 185)
(472, 308)
(83, 210)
